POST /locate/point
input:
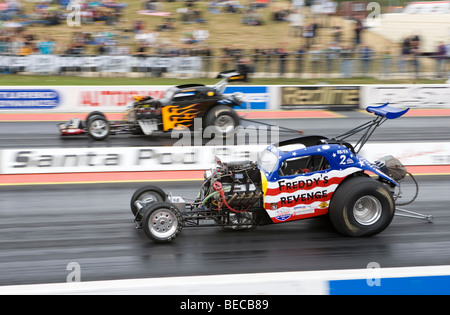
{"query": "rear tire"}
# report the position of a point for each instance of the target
(361, 206)
(162, 222)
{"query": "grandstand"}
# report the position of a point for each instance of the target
(225, 26)
(217, 31)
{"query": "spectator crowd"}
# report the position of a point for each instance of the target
(345, 57)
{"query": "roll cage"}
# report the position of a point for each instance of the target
(319, 153)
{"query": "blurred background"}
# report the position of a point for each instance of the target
(90, 54)
(306, 39)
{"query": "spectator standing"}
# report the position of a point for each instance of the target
(141, 49)
(138, 27)
(207, 56)
(296, 23)
(337, 34)
(282, 56)
(365, 55)
(316, 56)
(440, 57)
(386, 57)
(332, 53)
(4, 44)
(308, 35)
(358, 30)
(226, 59)
(416, 60)
(405, 55)
(415, 52)
(346, 61)
(252, 17)
(46, 47)
(16, 45)
(102, 49)
(244, 68)
(269, 53)
(257, 56)
(447, 61)
(26, 49)
(300, 53)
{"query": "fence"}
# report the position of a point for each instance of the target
(333, 65)
(306, 65)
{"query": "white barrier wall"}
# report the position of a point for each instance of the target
(277, 97)
(81, 160)
(102, 98)
(55, 64)
(415, 153)
(407, 95)
(72, 160)
(73, 98)
(257, 286)
(115, 98)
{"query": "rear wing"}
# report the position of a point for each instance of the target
(228, 76)
(382, 113)
(231, 76)
(387, 111)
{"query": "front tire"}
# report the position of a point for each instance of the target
(162, 222)
(223, 119)
(98, 127)
(94, 113)
(361, 206)
(147, 195)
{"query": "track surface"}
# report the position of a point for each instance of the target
(45, 134)
(44, 228)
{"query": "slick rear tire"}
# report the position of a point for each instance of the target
(162, 222)
(361, 206)
(98, 127)
(147, 195)
(223, 119)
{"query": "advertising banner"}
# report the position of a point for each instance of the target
(72, 160)
(29, 98)
(46, 64)
(413, 96)
(320, 97)
(257, 96)
(103, 98)
(110, 98)
(420, 153)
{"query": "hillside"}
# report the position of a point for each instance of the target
(225, 29)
